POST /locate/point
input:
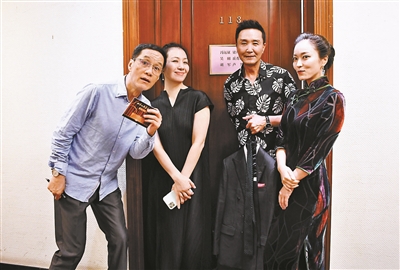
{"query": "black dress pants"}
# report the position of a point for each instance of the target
(70, 230)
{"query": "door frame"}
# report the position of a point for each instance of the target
(322, 24)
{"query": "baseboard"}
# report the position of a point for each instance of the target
(5, 266)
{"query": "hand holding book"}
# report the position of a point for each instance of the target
(143, 114)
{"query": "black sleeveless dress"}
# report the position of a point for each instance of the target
(177, 238)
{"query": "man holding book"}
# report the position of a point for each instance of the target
(89, 145)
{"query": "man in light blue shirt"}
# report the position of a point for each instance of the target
(89, 145)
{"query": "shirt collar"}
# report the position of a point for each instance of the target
(318, 83)
(262, 71)
(121, 89)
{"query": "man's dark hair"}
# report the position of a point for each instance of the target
(249, 24)
(139, 48)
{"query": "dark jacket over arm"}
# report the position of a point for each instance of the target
(228, 236)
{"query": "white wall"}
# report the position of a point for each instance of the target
(51, 49)
(365, 202)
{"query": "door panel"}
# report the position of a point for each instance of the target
(209, 30)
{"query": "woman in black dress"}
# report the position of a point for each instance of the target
(310, 124)
(179, 238)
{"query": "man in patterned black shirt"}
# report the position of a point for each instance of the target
(256, 93)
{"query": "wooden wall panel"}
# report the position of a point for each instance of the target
(186, 33)
(284, 25)
(131, 29)
(308, 20)
(171, 22)
(323, 25)
(133, 172)
(147, 21)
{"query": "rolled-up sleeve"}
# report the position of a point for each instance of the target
(142, 146)
(70, 124)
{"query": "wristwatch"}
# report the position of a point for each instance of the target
(54, 172)
(268, 122)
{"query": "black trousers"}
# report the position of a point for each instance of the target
(70, 230)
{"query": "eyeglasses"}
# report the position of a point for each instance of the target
(146, 64)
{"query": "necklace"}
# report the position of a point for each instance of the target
(296, 97)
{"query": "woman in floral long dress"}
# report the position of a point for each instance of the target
(310, 124)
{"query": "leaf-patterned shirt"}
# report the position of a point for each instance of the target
(266, 96)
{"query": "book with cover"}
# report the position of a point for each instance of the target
(135, 111)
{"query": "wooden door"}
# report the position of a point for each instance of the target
(218, 27)
(196, 25)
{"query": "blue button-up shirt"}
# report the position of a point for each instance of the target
(93, 139)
